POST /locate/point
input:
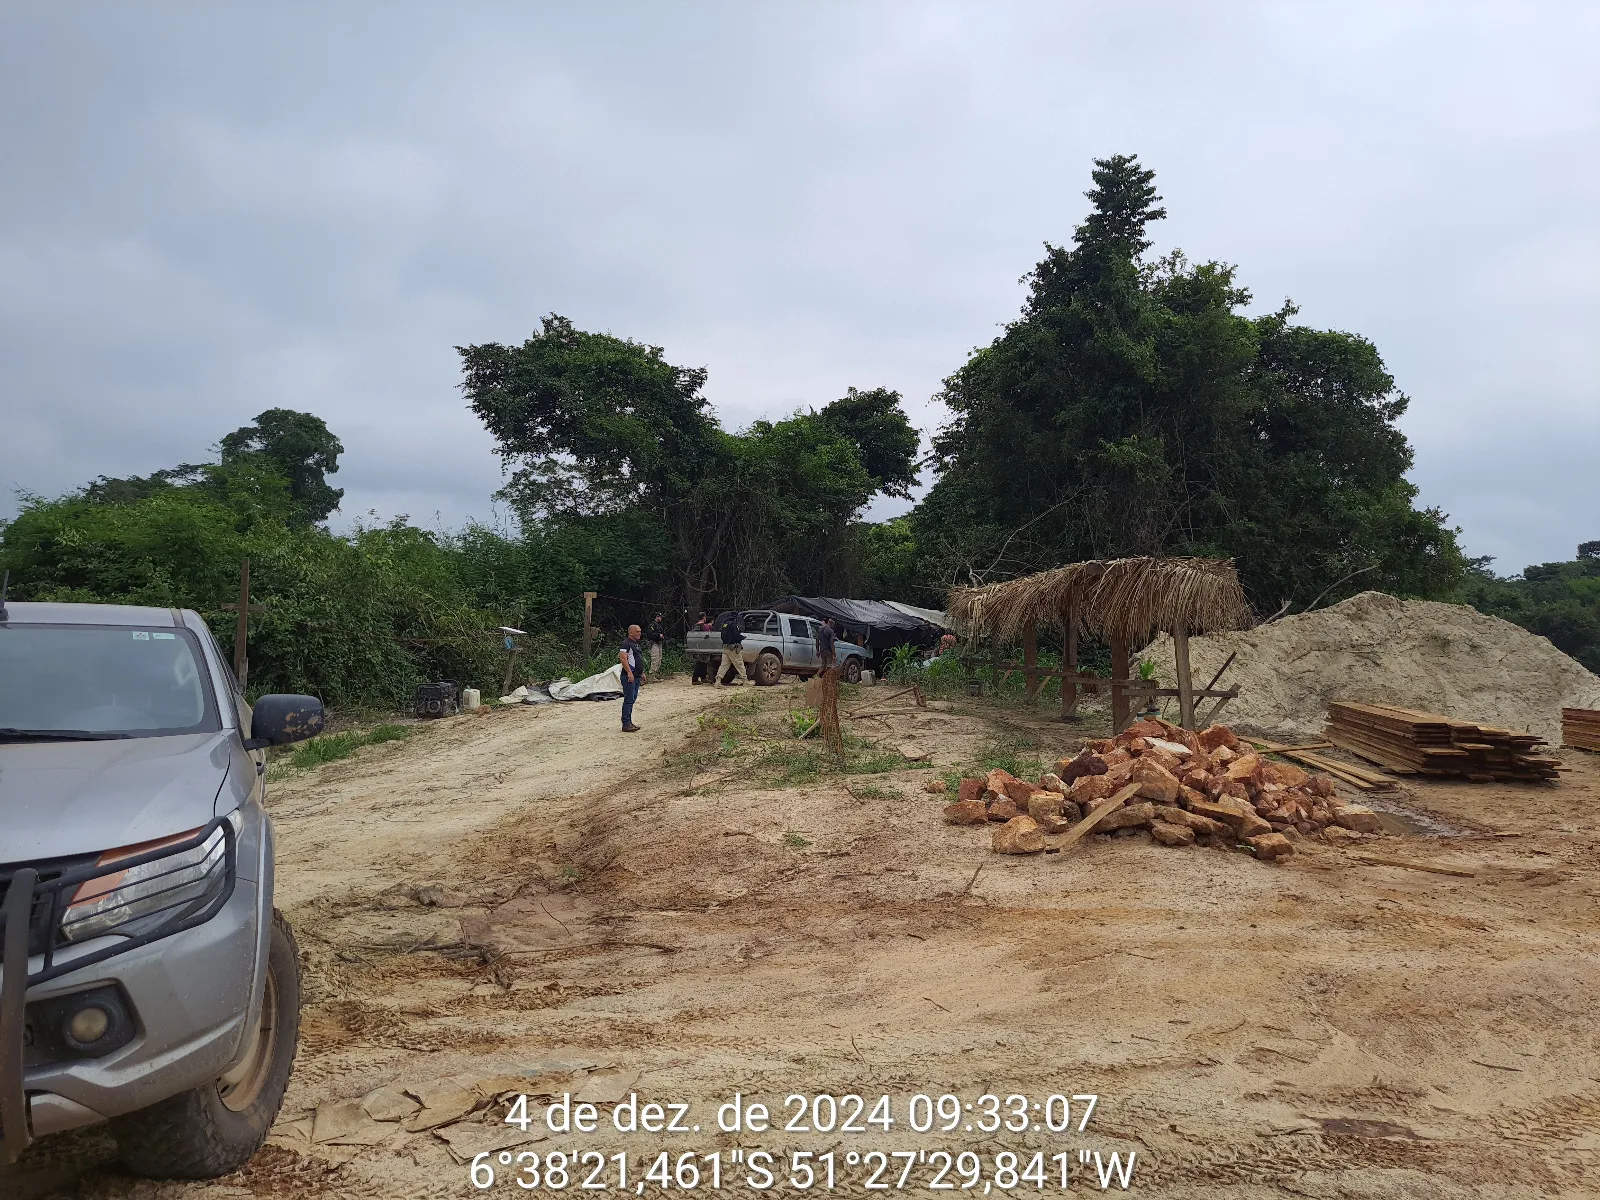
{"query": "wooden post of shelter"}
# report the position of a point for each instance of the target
(241, 628)
(1030, 659)
(1121, 710)
(994, 664)
(1069, 663)
(588, 624)
(1180, 653)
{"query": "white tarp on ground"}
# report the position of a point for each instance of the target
(605, 686)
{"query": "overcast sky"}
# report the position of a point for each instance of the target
(209, 210)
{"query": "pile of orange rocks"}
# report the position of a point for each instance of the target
(1177, 786)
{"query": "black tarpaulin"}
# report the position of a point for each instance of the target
(881, 625)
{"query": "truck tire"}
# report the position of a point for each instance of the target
(851, 671)
(216, 1128)
(768, 669)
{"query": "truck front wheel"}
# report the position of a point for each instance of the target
(768, 668)
(851, 671)
(215, 1129)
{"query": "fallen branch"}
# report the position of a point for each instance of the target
(877, 700)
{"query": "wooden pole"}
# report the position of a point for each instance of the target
(588, 624)
(994, 664)
(1069, 663)
(1030, 659)
(1180, 651)
(241, 627)
(1121, 710)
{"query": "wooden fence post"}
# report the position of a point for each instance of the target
(1069, 663)
(588, 625)
(241, 628)
(1120, 708)
(1030, 659)
(1180, 652)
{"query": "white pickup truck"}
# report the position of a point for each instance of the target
(776, 644)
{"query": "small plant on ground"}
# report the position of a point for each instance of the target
(871, 791)
(903, 664)
(798, 721)
(795, 842)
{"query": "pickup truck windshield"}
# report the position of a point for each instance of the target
(101, 680)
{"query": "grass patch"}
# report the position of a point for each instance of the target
(871, 791)
(788, 763)
(331, 747)
(795, 842)
(1017, 756)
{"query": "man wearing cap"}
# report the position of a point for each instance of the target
(631, 656)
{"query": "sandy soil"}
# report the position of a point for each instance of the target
(609, 916)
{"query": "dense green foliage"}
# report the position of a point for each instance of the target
(1134, 409)
(1560, 601)
(603, 430)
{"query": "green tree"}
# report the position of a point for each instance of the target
(1558, 600)
(297, 446)
(1133, 408)
(601, 432)
(876, 424)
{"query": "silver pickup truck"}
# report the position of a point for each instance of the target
(776, 644)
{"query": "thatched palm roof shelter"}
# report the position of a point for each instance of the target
(1121, 601)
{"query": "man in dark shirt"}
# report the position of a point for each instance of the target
(631, 656)
(732, 665)
(825, 644)
(702, 669)
(658, 634)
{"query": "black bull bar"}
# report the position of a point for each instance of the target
(30, 917)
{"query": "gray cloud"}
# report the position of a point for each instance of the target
(210, 211)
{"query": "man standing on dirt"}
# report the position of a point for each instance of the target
(658, 634)
(825, 644)
(732, 665)
(631, 657)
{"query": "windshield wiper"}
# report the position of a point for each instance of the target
(58, 735)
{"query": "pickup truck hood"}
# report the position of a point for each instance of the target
(67, 798)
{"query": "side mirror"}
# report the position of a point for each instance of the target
(279, 720)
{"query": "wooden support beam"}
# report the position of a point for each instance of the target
(588, 627)
(1180, 653)
(241, 629)
(1069, 663)
(1030, 660)
(1121, 710)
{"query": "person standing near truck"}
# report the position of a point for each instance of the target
(658, 635)
(702, 669)
(825, 645)
(732, 665)
(631, 656)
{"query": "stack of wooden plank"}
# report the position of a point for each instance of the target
(1580, 727)
(1410, 742)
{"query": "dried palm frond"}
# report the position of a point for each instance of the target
(1124, 599)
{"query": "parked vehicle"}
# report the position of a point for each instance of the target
(146, 979)
(776, 644)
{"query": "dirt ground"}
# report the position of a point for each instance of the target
(604, 914)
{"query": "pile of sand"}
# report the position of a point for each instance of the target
(1443, 658)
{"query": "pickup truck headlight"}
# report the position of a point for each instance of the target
(141, 898)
